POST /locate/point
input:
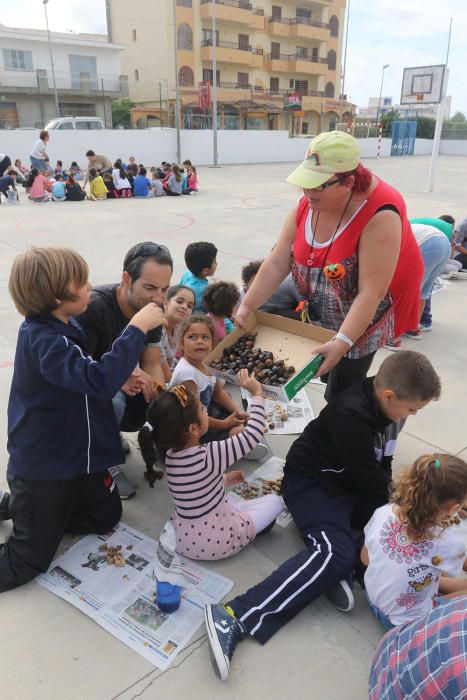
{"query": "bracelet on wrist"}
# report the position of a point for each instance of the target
(344, 338)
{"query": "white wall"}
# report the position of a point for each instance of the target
(151, 146)
(453, 147)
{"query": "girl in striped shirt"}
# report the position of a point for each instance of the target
(208, 525)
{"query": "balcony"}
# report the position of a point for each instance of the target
(293, 63)
(237, 11)
(298, 28)
(231, 52)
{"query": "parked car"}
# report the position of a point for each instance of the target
(75, 123)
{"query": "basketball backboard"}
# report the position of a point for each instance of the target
(422, 84)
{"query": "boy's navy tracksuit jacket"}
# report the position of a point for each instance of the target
(61, 422)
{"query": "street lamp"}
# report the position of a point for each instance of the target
(380, 93)
(57, 109)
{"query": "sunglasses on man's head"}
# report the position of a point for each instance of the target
(145, 251)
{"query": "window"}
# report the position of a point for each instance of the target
(304, 127)
(136, 74)
(275, 49)
(314, 54)
(291, 81)
(244, 42)
(207, 76)
(329, 90)
(87, 125)
(14, 59)
(65, 125)
(334, 25)
(277, 13)
(83, 64)
(184, 37)
(301, 51)
(332, 59)
(273, 84)
(303, 13)
(243, 80)
(207, 37)
(185, 76)
(133, 34)
(77, 109)
(301, 86)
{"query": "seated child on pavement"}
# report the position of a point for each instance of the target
(62, 431)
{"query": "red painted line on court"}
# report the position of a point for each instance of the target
(190, 222)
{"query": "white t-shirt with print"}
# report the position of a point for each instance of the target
(402, 577)
(184, 372)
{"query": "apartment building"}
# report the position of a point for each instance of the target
(87, 76)
(278, 62)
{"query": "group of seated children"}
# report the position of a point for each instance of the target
(410, 553)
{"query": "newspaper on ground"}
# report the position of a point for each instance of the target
(120, 596)
(285, 418)
(262, 482)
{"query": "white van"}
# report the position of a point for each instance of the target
(75, 123)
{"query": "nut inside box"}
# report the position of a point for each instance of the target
(288, 340)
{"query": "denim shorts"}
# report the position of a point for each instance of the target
(435, 252)
(379, 614)
(38, 163)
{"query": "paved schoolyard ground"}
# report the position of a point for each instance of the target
(48, 649)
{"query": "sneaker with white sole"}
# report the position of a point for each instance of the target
(340, 595)
(394, 344)
(224, 632)
(125, 487)
(413, 335)
(425, 327)
(260, 451)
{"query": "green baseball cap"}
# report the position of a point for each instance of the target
(330, 152)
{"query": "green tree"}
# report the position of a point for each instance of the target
(387, 120)
(121, 112)
(458, 117)
(426, 127)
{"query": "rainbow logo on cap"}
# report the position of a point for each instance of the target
(313, 156)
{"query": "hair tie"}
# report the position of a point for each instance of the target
(180, 394)
(437, 464)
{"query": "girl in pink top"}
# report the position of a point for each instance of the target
(221, 301)
(37, 186)
(192, 178)
(208, 525)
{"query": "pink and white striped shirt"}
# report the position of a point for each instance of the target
(205, 523)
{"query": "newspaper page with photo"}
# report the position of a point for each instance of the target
(110, 579)
(264, 480)
(285, 418)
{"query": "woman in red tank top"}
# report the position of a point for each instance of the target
(353, 257)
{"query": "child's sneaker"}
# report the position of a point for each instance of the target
(413, 335)
(340, 595)
(5, 505)
(168, 597)
(394, 344)
(224, 632)
(425, 327)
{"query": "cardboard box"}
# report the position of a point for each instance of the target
(288, 340)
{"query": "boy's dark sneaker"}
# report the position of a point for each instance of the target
(340, 595)
(5, 505)
(224, 632)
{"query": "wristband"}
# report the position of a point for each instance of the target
(344, 338)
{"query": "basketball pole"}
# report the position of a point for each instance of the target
(439, 119)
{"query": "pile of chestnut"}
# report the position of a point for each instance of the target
(260, 363)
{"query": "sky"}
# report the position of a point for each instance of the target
(396, 32)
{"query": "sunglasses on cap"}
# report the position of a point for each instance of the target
(145, 250)
(325, 185)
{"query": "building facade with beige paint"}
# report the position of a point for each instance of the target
(278, 62)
